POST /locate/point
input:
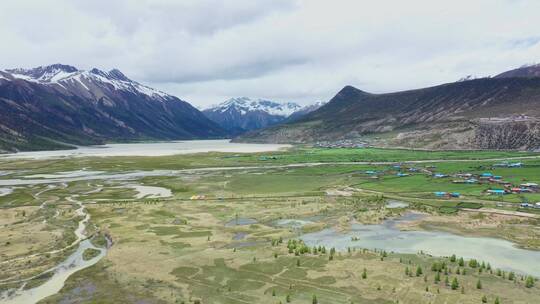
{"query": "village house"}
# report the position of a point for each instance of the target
(439, 175)
(497, 191)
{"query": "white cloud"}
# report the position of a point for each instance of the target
(206, 51)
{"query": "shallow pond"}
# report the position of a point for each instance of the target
(150, 191)
(387, 236)
(393, 204)
(292, 223)
(239, 236)
(241, 221)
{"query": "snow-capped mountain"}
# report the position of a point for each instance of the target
(44, 107)
(242, 114)
(305, 110)
(69, 77)
(246, 104)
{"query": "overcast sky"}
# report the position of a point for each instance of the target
(305, 51)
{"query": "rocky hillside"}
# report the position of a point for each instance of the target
(239, 115)
(488, 113)
(58, 105)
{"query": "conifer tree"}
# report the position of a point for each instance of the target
(455, 284)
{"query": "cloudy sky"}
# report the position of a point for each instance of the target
(306, 50)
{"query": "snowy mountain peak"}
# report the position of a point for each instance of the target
(47, 73)
(245, 105)
(242, 114)
(68, 76)
(116, 74)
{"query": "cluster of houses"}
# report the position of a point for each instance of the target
(508, 165)
(488, 177)
(469, 178)
(529, 205)
(447, 194)
(345, 143)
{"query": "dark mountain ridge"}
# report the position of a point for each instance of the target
(486, 113)
(58, 105)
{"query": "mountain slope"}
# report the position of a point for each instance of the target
(238, 115)
(526, 71)
(46, 107)
(489, 113)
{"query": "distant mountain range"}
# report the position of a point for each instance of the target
(55, 106)
(242, 114)
(502, 112)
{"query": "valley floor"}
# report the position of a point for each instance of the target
(304, 225)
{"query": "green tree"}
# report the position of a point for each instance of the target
(364, 274)
(479, 284)
(453, 258)
(418, 271)
(511, 276)
(288, 298)
(297, 262)
(407, 270)
(497, 301)
(273, 292)
(437, 277)
(484, 299)
(455, 284)
(529, 282)
(314, 300)
(461, 262)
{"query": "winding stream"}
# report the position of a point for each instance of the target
(5, 191)
(61, 272)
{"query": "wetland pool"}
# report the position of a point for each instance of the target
(387, 236)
